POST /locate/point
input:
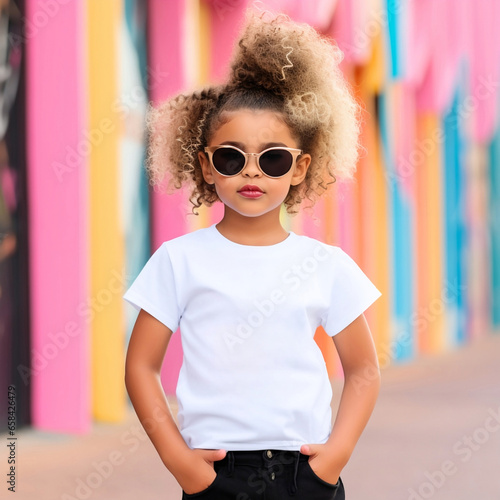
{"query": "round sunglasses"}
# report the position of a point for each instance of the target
(273, 162)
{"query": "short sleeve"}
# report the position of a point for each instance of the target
(351, 294)
(154, 290)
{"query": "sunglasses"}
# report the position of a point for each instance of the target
(273, 162)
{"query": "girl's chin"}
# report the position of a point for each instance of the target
(252, 211)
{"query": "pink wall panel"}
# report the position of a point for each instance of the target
(457, 31)
(341, 31)
(314, 220)
(168, 211)
(485, 68)
(57, 217)
(420, 40)
(439, 49)
(165, 46)
(226, 22)
(451, 35)
(317, 13)
(348, 218)
(410, 154)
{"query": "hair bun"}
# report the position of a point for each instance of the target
(281, 56)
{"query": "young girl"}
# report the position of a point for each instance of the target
(253, 392)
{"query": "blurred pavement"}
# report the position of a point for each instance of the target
(435, 433)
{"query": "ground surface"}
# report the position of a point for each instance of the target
(435, 434)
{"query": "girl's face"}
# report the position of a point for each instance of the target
(253, 131)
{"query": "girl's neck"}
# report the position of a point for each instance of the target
(263, 230)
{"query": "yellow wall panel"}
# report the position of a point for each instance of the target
(429, 223)
(374, 74)
(105, 230)
(374, 220)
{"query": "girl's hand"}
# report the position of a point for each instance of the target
(197, 472)
(324, 461)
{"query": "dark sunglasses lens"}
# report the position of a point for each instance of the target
(228, 161)
(276, 162)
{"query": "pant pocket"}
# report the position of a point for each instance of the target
(322, 481)
(207, 493)
(311, 485)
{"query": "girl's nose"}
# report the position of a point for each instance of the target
(252, 168)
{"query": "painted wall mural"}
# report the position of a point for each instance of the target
(421, 219)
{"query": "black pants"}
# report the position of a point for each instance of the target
(267, 475)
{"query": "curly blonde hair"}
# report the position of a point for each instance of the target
(278, 65)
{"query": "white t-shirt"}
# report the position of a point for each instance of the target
(252, 376)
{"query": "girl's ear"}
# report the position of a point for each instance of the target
(300, 171)
(205, 168)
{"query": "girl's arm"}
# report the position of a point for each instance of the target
(361, 386)
(193, 469)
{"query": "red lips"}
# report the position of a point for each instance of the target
(250, 187)
(251, 191)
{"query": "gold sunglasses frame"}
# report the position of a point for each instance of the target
(293, 151)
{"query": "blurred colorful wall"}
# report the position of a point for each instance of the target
(78, 220)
